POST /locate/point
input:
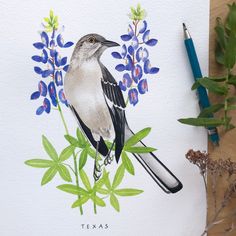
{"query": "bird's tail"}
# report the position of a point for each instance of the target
(156, 169)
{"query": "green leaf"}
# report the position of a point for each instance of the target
(49, 175)
(137, 137)
(83, 158)
(195, 85)
(66, 153)
(140, 149)
(217, 79)
(213, 86)
(102, 180)
(114, 202)
(208, 122)
(220, 32)
(73, 189)
(219, 55)
(80, 137)
(64, 173)
(51, 14)
(230, 52)
(49, 149)
(231, 99)
(80, 201)
(127, 192)
(231, 19)
(109, 145)
(118, 176)
(102, 191)
(98, 201)
(85, 179)
(39, 163)
(107, 181)
(73, 141)
(127, 163)
(92, 153)
(232, 80)
(46, 19)
(210, 110)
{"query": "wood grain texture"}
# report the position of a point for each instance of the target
(227, 148)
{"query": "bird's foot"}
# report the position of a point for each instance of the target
(97, 172)
(108, 160)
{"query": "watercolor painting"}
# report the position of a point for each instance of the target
(86, 88)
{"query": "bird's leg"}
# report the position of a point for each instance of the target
(109, 158)
(97, 167)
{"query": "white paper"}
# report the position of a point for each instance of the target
(29, 209)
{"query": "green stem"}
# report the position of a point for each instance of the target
(74, 156)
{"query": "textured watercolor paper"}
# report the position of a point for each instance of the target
(27, 208)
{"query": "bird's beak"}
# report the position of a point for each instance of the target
(108, 43)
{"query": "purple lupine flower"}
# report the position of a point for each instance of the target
(45, 107)
(58, 78)
(62, 97)
(142, 86)
(148, 69)
(52, 93)
(137, 73)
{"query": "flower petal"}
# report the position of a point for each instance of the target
(131, 50)
(52, 93)
(37, 58)
(40, 110)
(44, 38)
(135, 42)
(130, 31)
(68, 44)
(42, 87)
(57, 59)
(133, 96)
(44, 56)
(123, 51)
(58, 78)
(39, 45)
(145, 54)
(65, 68)
(142, 86)
(151, 42)
(125, 37)
(139, 54)
(116, 55)
(154, 70)
(144, 27)
(122, 86)
(63, 61)
(46, 73)
(38, 70)
(60, 41)
(62, 97)
(120, 67)
(127, 80)
(129, 64)
(137, 73)
(146, 36)
(147, 66)
(35, 95)
(46, 105)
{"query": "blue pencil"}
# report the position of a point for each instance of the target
(202, 93)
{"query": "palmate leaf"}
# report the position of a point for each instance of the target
(39, 163)
(114, 202)
(64, 173)
(80, 137)
(80, 201)
(83, 158)
(49, 175)
(207, 122)
(210, 110)
(127, 163)
(85, 179)
(118, 176)
(140, 149)
(66, 153)
(137, 137)
(73, 189)
(73, 141)
(48, 147)
(127, 192)
(102, 191)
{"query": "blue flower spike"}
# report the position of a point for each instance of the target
(142, 86)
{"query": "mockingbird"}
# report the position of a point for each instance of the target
(97, 102)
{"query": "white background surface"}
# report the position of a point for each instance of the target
(28, 209)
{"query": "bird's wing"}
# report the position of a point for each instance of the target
(102, 147)
(116, 105)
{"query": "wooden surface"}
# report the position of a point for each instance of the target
(227, 148)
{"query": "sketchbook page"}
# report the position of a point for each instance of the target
(156, 85)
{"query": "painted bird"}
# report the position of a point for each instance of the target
(98, 105)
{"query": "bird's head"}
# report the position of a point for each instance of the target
(91, 45)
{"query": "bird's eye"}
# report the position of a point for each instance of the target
(91, 40)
